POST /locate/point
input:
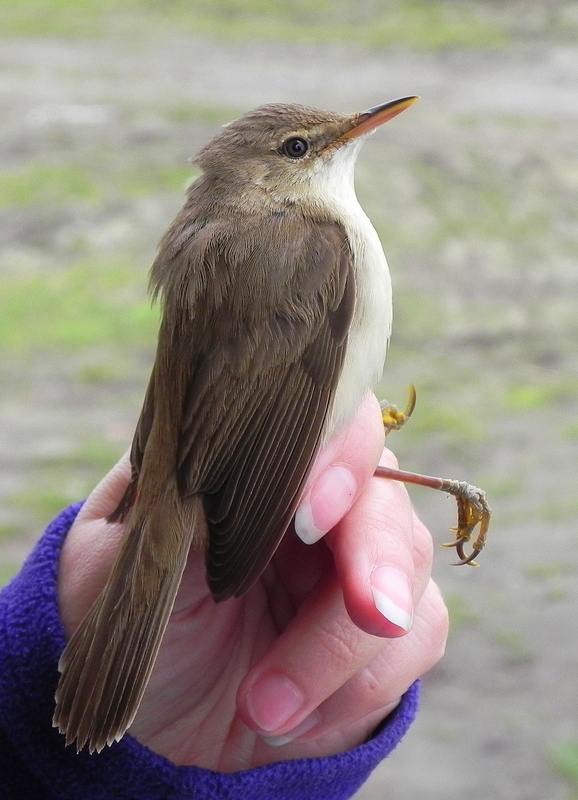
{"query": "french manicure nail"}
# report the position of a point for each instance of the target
(300, 730)
(328, 501)
(392, 596)
(273, 700)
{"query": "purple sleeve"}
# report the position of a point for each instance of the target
(35, 764)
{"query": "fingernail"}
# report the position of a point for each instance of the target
(300, 730)
(328, 501)
(392, 596)
(272, 701)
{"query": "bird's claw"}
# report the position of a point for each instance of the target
(473, 510)
(393, 418)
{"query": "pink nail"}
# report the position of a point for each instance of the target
(392, 595)
(328, 501)
(272, 701)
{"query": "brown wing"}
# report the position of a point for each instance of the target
(139, 441)
(263, 321)
(250, 350)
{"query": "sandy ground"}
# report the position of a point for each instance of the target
(506, 691)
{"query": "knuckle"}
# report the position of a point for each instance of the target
(340, 643)
(375, 688)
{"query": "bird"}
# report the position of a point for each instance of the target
(276, 316)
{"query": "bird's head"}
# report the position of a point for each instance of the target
(290, 153)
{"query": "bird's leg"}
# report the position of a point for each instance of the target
(473, 508)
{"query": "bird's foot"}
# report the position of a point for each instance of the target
(473, 509)
(393, 418)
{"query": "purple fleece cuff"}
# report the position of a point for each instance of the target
(34, 764)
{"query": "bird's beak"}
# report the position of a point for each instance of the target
(373, 117)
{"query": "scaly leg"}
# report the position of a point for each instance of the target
(473, 508)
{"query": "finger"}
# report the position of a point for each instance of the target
(357, 707)
(91, 546)
(319, 651)
(400, 662)
(104, 499)
(340, 472)
(383, 556)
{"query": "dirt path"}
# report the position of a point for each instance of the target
(540, 80)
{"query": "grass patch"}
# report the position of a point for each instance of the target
(64, 479)
(419, 319)
(540, 396)
(473, 197)
(501, 486)
(554, 579)
(9, 531)
(422, 24)
(174, 178)
(570, 431)
(564, 756)
(558, 509)
(42, 184)
(50, 186)
(47, 502)
(96, 374)
(94, 454)
(461, 612)
(433, 416)
(518, 651)
(457, 425)
(92, 303)
(194, 112)
(7, 572)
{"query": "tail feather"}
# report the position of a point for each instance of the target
(107, 663)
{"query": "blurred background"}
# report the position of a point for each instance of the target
(474, 193)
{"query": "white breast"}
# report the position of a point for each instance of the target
(371, 325)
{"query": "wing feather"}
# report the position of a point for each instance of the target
(260, 324)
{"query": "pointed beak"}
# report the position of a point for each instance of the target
(373, 117)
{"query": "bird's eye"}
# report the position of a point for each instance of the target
(295, 147)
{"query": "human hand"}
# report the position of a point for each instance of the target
(317, 653)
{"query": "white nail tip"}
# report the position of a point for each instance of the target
(277, 741)
(304, 526)
(391, 611)
(309, 722)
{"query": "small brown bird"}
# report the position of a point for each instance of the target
(276, 303)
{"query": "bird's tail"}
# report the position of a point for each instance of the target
(107, 663)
